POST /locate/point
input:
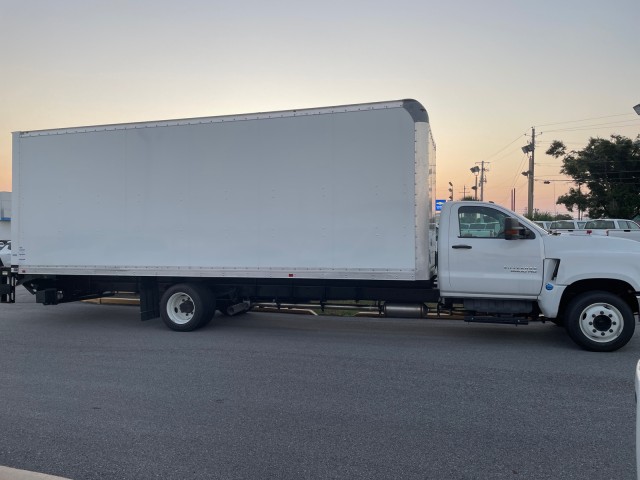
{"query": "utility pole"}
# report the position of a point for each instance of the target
(531, 148)
(531, 174)
(483, 179)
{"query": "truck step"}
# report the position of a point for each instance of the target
(499, 320)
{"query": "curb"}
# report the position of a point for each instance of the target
(7, 473)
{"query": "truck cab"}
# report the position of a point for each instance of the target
(470, 260)
(533, 273)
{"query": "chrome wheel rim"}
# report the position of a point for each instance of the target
(601, 322)
(180, 308)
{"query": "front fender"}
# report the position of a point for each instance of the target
(550, 298)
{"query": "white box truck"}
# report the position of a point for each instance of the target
(326, 206)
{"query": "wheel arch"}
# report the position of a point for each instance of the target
(617, 287)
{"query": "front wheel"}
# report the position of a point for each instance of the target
(185, 307)
(599, 321)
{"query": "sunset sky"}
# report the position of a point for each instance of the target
(486, 71)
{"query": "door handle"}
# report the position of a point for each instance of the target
(461, 246)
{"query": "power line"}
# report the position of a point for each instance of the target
(507, 154)
(505, 147)
(624, 123)
(516, 177)
(587, 119)
(591, 127)
(566, 143)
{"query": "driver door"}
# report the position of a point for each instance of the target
(482, 262)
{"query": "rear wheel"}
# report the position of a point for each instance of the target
(599, 321)
(185, 307)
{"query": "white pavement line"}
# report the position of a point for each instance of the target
(7, 473)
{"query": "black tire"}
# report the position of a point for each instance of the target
(599, 321)
(185, 307)
(212, 310)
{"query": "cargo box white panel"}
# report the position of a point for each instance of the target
(319, 194)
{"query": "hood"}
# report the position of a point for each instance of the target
(594, 256)
(589, 243)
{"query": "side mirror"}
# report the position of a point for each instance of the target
(512, 229)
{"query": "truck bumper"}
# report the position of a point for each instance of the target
(549, 299)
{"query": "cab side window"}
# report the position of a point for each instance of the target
(480, 222)
(483, 222)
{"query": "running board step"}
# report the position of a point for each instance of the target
(500, 320)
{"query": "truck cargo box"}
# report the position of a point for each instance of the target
(338, 192)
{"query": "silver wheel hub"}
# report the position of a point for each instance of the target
(601, 322)
(180, 308)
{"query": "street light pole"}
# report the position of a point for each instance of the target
(475, 170)
(555, 205)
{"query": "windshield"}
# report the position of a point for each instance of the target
(564, 224)
(600, 224)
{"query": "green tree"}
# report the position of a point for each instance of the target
(546, 216)
(610, 171)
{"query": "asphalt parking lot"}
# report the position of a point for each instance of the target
(89, 392)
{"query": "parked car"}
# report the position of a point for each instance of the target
(613, 227)
(567, 225)
(544, 224)
(611, 224)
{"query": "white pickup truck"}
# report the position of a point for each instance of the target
(566, 226)
(613, 227)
